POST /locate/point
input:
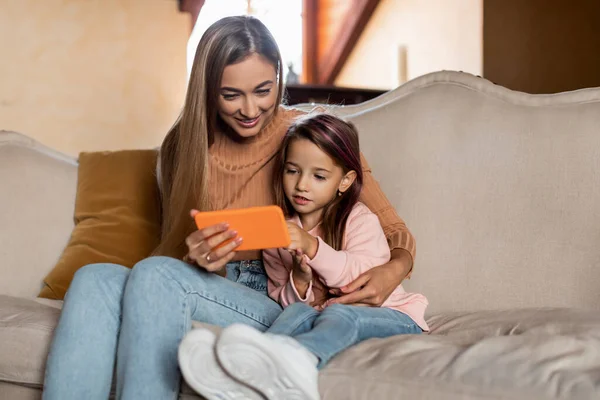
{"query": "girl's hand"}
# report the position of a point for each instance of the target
(301, 272)
(202, 246)
(302, 240)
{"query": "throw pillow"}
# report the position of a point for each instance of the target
(117, 213)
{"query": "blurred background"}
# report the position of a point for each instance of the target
(87, 75)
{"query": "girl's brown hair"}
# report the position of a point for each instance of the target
(184, 152)
(339, 140)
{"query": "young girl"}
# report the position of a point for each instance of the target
(335, 238)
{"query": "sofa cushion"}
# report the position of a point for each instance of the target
(19, 392)
(26, 328)
(526, 354)
(553, 354)
(117, 213)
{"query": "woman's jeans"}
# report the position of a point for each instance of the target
(339, 326)
(134, 320)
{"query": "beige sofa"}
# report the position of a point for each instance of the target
(501, 190)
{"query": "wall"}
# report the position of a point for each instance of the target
(542, 46)
(92, 74)
(437, 34)
(331, 14)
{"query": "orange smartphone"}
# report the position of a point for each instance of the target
(260, 227)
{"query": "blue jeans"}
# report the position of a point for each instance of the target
(134, 319)
(339, 326)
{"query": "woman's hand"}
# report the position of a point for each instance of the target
(373, 287)
(301, 272)
(302, 240)
(202, 246)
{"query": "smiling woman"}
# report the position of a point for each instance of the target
(234, 93)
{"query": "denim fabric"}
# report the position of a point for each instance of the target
(248, 273)
(339, 326)
(136, 318)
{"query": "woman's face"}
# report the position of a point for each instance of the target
(248, 94)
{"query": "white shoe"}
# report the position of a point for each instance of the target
(201, 370)
(277, 366)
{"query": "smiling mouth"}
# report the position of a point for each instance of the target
(248, 123)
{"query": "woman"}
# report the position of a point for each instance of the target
(218, 155)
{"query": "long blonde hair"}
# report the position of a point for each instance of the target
(184, 152)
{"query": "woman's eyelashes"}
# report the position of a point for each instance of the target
(263, 92)
(234, 96)
(228, 96)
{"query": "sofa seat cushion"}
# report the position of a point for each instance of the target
(26, 328)
(524, 354)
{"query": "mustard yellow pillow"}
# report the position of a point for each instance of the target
(117, 213)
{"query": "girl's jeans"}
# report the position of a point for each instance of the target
(339, 326)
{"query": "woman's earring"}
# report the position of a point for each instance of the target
(339, 193)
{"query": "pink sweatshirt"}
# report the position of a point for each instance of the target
(364, 247)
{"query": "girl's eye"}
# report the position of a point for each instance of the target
(263, 92)
(320, 177)
(230, 96)
(290, 171)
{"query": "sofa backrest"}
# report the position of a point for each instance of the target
(501, 189)
(37, 199)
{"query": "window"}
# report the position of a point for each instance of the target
(282, 18)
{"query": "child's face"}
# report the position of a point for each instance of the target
(310, 178)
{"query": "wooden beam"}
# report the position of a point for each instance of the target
(193, 7)
(355, 21)
(309, 41)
